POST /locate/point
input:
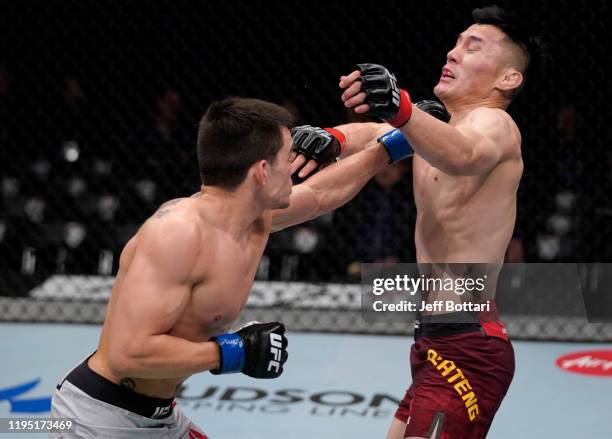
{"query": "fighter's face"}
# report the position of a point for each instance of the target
(280, 174)
(473, 66)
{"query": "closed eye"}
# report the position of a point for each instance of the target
(473, 42)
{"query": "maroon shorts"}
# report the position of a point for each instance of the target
(458, 383)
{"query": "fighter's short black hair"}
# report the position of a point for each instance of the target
(517, 31)
(234, 134)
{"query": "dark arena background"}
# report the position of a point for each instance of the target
(99, 108)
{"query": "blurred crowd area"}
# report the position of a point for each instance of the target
(99, 106)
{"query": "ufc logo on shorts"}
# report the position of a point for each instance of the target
(276, 340)
(160, 412)
(395, 93)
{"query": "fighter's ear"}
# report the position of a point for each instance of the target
(260, 171)
(510, 80)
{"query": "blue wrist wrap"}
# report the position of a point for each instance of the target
(396, 144)
(231, 348)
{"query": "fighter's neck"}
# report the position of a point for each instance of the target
(232, 212)
(460, 109)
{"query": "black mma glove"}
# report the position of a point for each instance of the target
(323, 145)
(435, 108)
(258, 350)
(387, 101)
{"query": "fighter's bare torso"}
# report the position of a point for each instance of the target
(466, 218)
(226, 270)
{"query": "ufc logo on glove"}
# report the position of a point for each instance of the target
(276, 340)
(248, 350)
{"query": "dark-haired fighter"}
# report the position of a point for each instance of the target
(186, 274)
(466, 174)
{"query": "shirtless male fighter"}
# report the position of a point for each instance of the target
(465, 178)
(186, 274)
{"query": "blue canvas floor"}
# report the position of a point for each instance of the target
(334, 386)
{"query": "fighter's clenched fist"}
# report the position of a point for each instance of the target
(373, 89)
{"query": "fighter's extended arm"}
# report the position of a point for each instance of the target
(351, 138)
(317, 147)
(360, 136)
(486, 137)
(331, 187)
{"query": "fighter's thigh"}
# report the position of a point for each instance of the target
(396, 429)
(186, 425)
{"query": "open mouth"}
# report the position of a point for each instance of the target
(447, 74)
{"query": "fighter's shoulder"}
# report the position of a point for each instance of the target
(490, 115)
(498, 123)
(172, 240)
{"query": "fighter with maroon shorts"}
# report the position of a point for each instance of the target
(466, 172)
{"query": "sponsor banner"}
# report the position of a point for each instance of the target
(18, 399)
(262, 400)
(594, 363)
(220, 398)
